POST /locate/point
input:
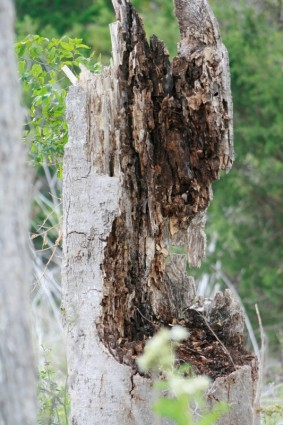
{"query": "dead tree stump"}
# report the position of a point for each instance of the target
(147, 137)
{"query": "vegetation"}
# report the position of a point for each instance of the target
(53, 399)
(44, 89)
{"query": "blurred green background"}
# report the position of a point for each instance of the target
(245, 220)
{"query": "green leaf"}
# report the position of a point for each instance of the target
(175, 409)
(82, 46)
(22, 65)
(36, 70)
(67, 46)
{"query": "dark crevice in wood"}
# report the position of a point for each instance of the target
(173, 123)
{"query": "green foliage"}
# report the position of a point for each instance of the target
(53, 399)
(89, 19)
(58, 14)
(86, 19)
(44, 89)
(255, 49)
(181, 394)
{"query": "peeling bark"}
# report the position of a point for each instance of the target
(147, 138)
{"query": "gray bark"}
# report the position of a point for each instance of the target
(17, 373)
(146, 139)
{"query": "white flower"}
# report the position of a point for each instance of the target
(179, 386)
(157, 351)
(178, 333)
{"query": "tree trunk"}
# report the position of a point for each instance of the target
(17, 373)
(146, 139)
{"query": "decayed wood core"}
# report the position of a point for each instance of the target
(170, 137)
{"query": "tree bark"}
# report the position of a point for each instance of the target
(17, 372)
(146, 139)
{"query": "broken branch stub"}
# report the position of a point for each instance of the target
(147, 137)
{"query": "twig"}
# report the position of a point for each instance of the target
(48, 262)
(145, 318)
(219, 340)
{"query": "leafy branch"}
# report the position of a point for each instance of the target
(44, 91)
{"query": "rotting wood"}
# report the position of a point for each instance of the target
(147, 139)
(175, 138)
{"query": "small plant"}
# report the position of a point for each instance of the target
(53, 399)
(183, 394)
(44, 90)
